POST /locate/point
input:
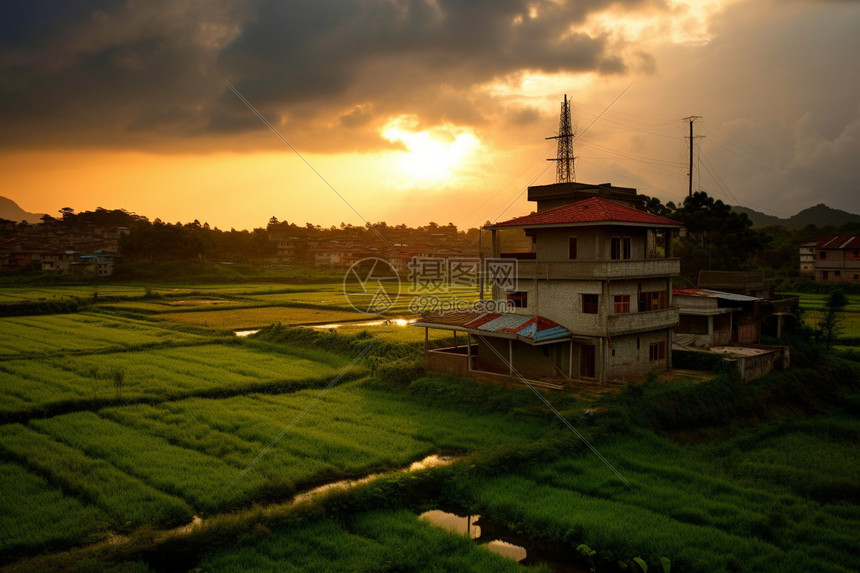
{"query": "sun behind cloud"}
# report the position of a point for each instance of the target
(430, 157)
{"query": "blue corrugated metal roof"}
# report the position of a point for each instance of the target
(551, 333)
(505, 321)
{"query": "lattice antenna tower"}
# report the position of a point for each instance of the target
(565, 171)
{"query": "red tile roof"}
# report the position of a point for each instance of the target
(593, 211)
(844, 242)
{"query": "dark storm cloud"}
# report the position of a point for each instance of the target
(130, 74)
(408, 55)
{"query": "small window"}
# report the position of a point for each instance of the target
(519, 299)
(590, 303)
(620, 248)
(657, 351)
(822, 255)
(652, 300)
(571, 247)
(621, 303)
(824, 275)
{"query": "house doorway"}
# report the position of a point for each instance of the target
(586, 361)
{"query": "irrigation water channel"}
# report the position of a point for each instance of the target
(494, 536)
(334, 325)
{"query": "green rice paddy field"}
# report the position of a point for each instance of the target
(140, 412)
(814, 306)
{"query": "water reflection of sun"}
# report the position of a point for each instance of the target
(430, 156)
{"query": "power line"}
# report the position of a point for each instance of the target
(306, 162)
(557, 414)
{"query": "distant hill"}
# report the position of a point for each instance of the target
(820, 215)
(10, 211)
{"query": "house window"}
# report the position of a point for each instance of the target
(652, 300)
(519, 299)
(822, 255)
(657, 351)
(590, 303)
(824, 275)
(837, 274)
(621, 248)
(586, 361)
(621, 303)
(571, 247)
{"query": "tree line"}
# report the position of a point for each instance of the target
(714, 237)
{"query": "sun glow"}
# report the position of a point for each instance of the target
(430, 156)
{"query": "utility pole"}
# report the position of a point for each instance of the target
(565, 171)
(691, 119)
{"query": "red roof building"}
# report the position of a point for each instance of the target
(837, 259)
(593, 211)
(591, 300)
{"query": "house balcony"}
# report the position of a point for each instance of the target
(831, 264)
(598, 270)
(633, 322)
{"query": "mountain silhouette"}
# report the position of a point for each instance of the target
(10, 211)
(820, 215)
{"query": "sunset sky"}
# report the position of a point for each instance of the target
(412, 111)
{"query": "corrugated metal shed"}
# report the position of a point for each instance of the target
(708, 293)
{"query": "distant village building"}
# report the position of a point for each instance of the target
(53, 248)
(593, 299)
(58, 262)
(807, 259)
(715, 318)
(837, 259)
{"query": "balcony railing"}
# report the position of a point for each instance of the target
(601, 270)
(630, 322)
(827, 264)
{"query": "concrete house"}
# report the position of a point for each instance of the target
(806, 257)
(715, 318)
(593, 298)
(837, 259)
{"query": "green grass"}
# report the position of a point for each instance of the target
(814, 306)
(158, 463)
(158, 374)
(38, 515)
(199, 479)
(402, 334)
(375, 541)
(257, 317)
(706, 508)
(127, 500)
(32, 335)
(777, 496)
(818, 301)
(58, 293)
(849, 322)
